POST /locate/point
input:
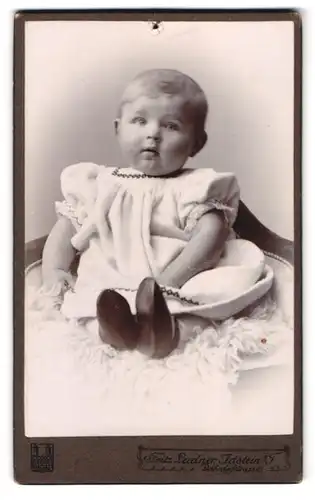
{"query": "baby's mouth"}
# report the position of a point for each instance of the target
(150, 151)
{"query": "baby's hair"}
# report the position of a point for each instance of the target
(155, 82)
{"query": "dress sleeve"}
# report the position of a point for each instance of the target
(204, 190)
(79, 189)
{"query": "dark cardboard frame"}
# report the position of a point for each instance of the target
(131, 459)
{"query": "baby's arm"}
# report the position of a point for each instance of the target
(58, 252)
(202, 252)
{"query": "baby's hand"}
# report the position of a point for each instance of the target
(56, 282)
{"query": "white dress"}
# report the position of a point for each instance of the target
(130, 226)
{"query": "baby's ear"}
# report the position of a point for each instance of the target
(116, 125)
(199, 143)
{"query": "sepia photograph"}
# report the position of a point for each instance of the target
(159, 228)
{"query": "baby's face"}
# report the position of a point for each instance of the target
(155, 134)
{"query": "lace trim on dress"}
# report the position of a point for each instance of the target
(201, 209)
(165, 290)
(64, 208)
(141, 175)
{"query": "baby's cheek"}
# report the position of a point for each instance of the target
(131, 146)
(182, 151)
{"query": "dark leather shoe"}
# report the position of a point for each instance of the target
(158, 329)
(117, 325)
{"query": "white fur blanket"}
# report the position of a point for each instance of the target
(76, 385)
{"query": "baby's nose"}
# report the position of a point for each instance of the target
(153, 130)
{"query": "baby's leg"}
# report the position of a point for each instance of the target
(190, 326)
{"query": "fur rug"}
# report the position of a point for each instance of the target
(76, 385)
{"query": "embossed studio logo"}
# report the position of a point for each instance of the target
(42, 457)
(214, 461)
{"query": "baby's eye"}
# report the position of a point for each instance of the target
(172, 126)
(139, 119)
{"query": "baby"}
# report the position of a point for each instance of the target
(151, 233)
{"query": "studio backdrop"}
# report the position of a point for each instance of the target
(76, 72)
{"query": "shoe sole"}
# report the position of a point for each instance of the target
(117, 325)
(158, 333)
